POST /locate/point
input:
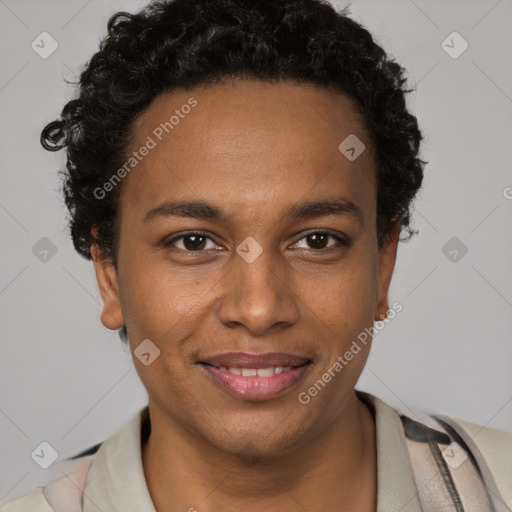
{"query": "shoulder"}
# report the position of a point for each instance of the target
(67, 479)
(492, 448)
(496, 448)
(61, 493)
(497, 444)
(33, 502)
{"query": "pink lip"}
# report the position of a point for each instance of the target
(247, 360)
(255, 387)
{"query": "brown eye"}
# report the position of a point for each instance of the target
(194, 242)
(319, 240)
(191, 242)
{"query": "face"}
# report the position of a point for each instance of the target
(247, 240)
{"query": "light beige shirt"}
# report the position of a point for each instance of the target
(115, 481)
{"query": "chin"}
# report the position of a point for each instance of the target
(248, 442)
(250, 451)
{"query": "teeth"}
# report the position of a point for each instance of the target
(266, 372)
(260, 372)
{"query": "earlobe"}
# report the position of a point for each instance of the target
(387, 258)
(106, 277)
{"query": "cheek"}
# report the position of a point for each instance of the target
(343, 304)
(153, 299)
(345, 296)
(166, 384)
(158, 308)
(344, 311)
(167, 309)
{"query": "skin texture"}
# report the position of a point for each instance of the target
(253, 149)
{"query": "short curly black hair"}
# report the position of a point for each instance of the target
(175, 45)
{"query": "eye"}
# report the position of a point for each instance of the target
(319, 240)
(197, 241)
(191, 242)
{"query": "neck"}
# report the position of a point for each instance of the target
(337, 466)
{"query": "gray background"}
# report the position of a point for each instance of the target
(67, 380)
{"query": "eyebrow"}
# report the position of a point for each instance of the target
(206, 211)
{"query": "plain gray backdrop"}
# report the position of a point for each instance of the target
(67, 380)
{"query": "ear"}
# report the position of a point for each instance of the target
(387, 258)
(106, 276)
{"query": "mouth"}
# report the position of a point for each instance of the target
(256, 376)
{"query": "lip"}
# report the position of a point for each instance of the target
(248, 360)
(255, 387)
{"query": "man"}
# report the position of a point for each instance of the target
(240, 174)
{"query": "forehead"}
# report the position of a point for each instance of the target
(255, 143)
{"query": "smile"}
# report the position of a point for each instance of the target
(256, 383)
(260, 372)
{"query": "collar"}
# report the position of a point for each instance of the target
(116, 482)
(396, 488)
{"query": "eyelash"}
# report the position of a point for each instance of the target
(343, 241)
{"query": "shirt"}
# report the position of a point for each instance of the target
(115, 481)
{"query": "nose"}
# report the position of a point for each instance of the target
(258, 295)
